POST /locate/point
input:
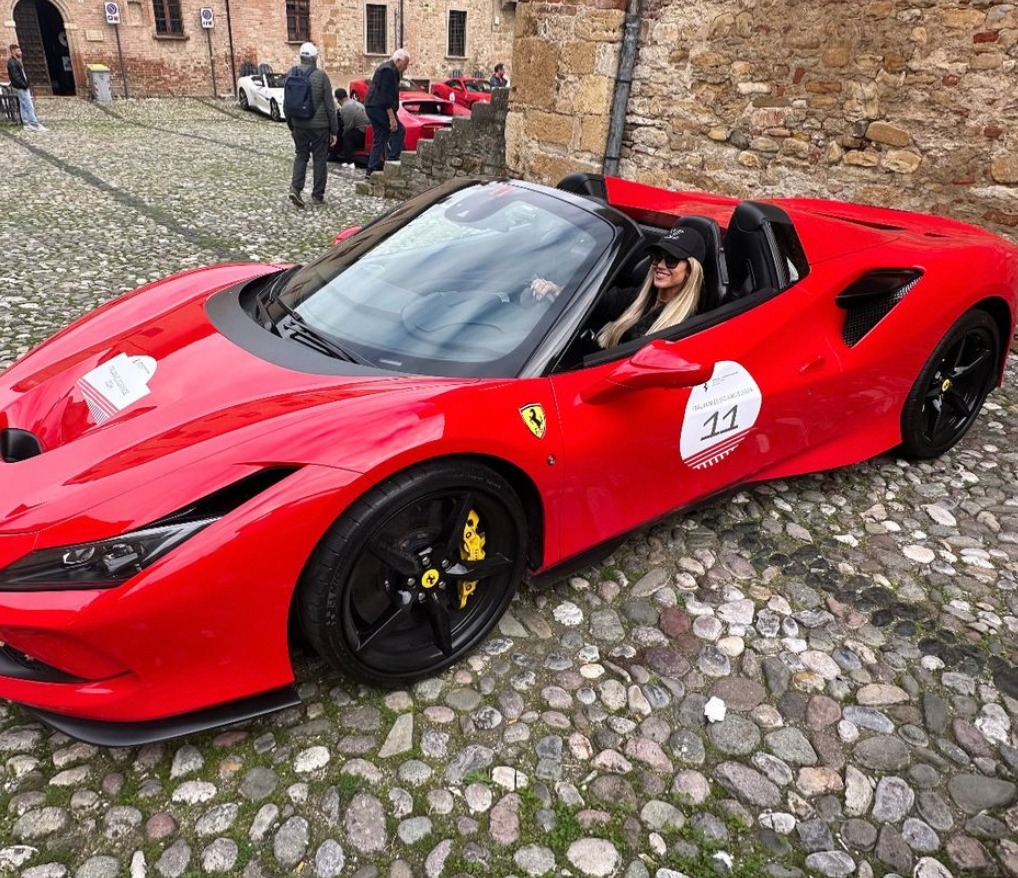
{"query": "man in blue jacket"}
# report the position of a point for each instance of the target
(313, 137)
(382, 105)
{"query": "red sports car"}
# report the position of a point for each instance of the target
(464, 90)
(375, 448)
(421, 114)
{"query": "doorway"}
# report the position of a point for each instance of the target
(45, 46)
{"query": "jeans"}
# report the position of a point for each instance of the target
(352, 139)
(310, 143)
(28, 118)
(385, 144)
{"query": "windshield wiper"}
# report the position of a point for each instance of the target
(268, 295)
(299, 330)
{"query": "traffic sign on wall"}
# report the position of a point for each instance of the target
(207, 17)
(112, 13)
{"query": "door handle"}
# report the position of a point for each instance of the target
(814, 365)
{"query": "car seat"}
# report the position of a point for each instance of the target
(582, 183)
(751, 250)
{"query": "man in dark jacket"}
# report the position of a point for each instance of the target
(382, 104)
(313, 137)
(19, 82)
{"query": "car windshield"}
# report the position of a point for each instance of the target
(274, 80)
(477, 85)
(441, 285)
(427, 108)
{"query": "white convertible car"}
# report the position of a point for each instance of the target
(262, 92)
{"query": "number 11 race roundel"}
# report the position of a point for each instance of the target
(719, 415)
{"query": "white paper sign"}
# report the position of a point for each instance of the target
(719, 415)
(113, 386)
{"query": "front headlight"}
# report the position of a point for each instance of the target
(102, 564)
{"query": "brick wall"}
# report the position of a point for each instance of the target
(167, 66)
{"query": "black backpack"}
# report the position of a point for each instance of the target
(297, 103)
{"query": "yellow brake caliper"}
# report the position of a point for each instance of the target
(471, 550)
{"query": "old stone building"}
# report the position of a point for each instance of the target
(159, 47)
(904, 103)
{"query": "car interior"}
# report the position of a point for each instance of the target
(757, 256)
(759, 252)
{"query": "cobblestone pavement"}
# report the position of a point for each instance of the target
(860, 627)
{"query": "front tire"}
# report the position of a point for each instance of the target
(951, 388)
(398, 589)
(274, 113)
(242, 100)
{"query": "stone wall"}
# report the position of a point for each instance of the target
(179, 65)
(565, 60)
(472, 147)
(904, 103)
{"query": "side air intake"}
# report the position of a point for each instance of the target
(869, 299)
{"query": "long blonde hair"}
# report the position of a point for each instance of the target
(678, 309)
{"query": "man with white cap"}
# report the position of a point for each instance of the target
(313, 135)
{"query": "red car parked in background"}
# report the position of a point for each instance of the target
(464, 90)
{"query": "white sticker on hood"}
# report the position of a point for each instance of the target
(113, 386)
(719, 415)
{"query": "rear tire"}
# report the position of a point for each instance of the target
(242, 100)
(380, 598)
(274, 113)
(946, 398)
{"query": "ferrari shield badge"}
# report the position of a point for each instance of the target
(533, 417)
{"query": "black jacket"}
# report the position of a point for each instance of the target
(613, 304)
(16, 73)
(384, 91)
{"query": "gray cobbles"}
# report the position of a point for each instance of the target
(859, 626)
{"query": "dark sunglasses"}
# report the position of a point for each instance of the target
(669, 261)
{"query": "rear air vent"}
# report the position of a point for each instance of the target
(869, 299)
(18, 445)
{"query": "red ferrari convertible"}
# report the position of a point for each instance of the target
(466, 91)
(374, 449)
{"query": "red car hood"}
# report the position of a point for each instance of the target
(147, 386)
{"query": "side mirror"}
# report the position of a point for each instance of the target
(346, 233)
(657, 364)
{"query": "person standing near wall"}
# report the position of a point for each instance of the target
(19, 82)
(312, 136)
(382, 105)
(498, 78)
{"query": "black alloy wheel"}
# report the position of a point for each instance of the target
(415, 574)
(242, 100)
(274, 113)
(951, 388)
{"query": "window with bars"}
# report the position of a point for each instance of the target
(375, 29)
(298, 20)
(457, 42)
(167, 16)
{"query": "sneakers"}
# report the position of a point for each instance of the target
(347, 166)
(296, 198)
(38, 129)
(41, 127)
(318, 202)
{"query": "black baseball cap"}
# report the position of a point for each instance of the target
(682, 243)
